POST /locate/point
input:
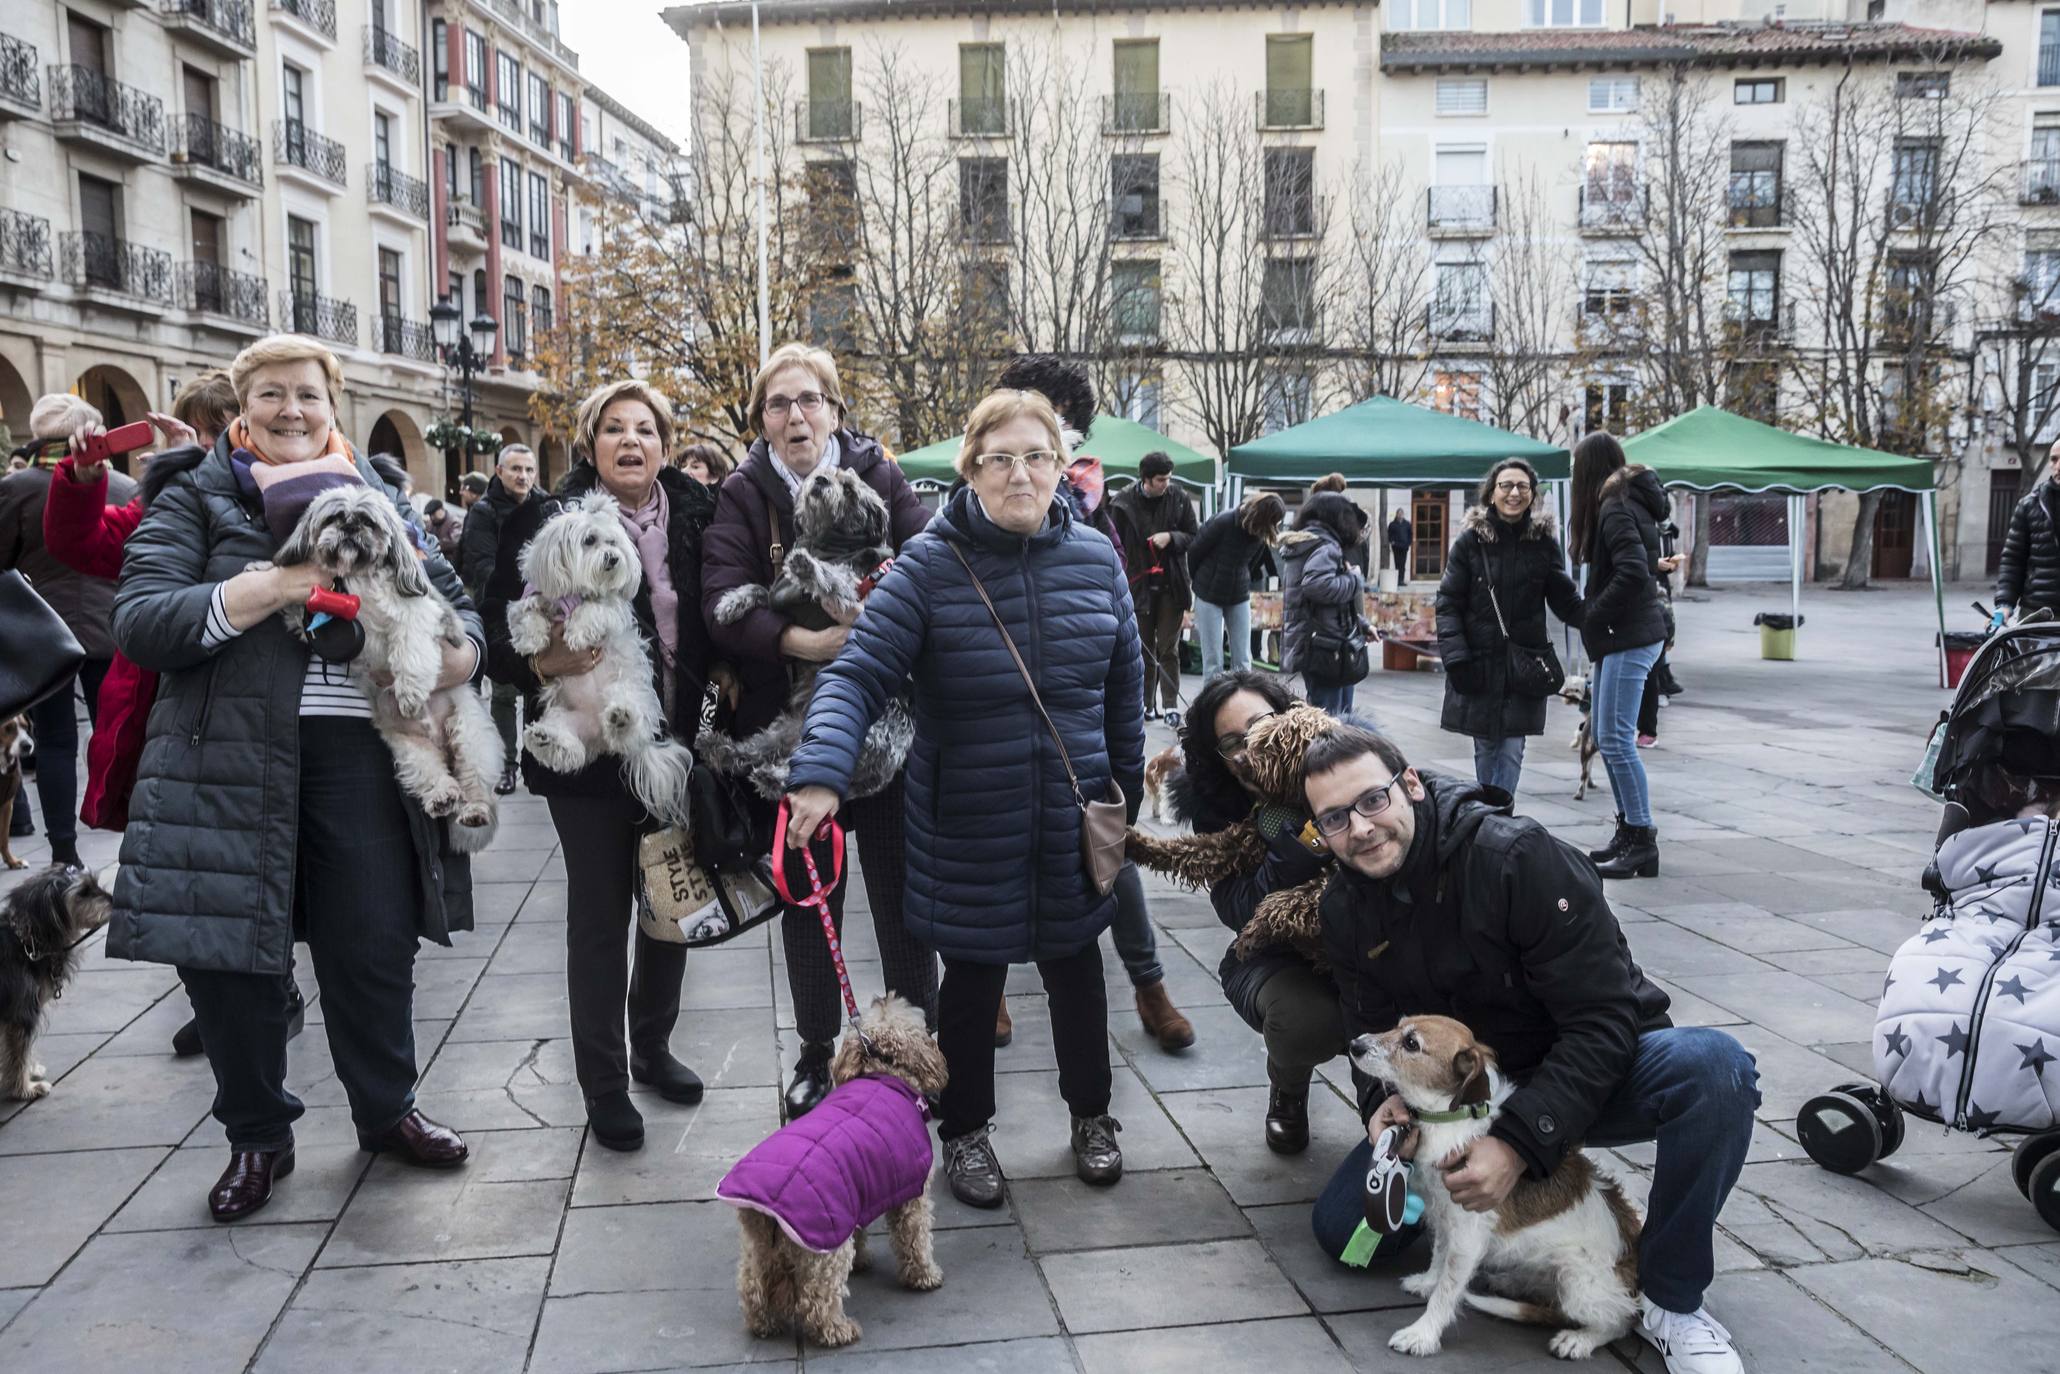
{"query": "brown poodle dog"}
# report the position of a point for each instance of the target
(783, 1284)
(1273, 753)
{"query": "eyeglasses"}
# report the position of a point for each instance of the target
(809, 401)
(1233, 746)
(1510, 488)
(1370, 804)
(1038, 460)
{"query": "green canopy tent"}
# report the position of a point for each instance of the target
(1711, 449)
(1384, 442)
(1117, 442)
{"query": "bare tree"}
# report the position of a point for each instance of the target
(1532, 286)
(1382, 325)
(2018, 352)
(1060, 171)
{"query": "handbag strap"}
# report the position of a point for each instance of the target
(778, 549)
(1488, 576)
(1024, 669)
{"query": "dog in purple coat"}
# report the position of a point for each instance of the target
(806, 1193)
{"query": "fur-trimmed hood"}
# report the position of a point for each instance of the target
(1636, 482)
(1487, 526)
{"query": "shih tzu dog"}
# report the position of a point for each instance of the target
(41, 924)
(446, 750)
(582, 569)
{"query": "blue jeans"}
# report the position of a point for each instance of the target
(1691, 1090)
(1136, 943)
(1212, 623)
(1499, 762)
(1619, 688)
(1335, 698)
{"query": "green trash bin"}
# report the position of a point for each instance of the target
(1777, 634)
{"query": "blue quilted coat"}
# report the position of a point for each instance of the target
(994, 868)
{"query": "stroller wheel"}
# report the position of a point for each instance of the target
(1840, 1131)
(1885, 1112)
(2031, 1151)
(2045, 1190)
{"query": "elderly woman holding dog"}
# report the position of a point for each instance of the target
(1505, 567)
(797, 407)
(623, 434)
(265, 801)
(1012, 626)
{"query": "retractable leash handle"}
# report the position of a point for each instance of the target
(818, 895)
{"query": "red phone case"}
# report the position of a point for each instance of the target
(126, 439)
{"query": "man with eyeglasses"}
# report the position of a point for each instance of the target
(1157, 522)
(1443, 903)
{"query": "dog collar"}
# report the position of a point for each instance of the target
(872, 579)
(1472, 1111)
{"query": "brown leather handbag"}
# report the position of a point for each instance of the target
(1102, 823)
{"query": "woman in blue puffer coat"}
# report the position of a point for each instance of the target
(995, 875)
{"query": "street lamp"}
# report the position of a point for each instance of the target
(467, 351)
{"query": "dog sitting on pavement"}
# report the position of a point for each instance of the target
(42, 922)
(1562, 1250)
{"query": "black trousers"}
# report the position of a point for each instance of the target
(966, 1007)
(55, 721)
(1158, 627)
(906, 965)
(358, 903)
(599, 835)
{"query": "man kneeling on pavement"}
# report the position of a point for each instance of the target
(1443, 903)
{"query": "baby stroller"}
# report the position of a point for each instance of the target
(1968, 1031)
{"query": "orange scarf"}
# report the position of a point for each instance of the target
(239, 437)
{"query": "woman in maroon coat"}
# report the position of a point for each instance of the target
(798, 410)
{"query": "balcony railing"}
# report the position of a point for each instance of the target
(462, 214)
(1753, 332)
(828, 121)
(198, 139)
(321, 316)
(18, 80)
(319, 15)
(1137, 112)
(981, 116)
(24, 244)
(386, 52)
(385, 185)
(1461, 208)
(404, 338)
(1913, 210)
(1613, 209)
(84, 95)
(1751, 212)
(294, 144)
(230, 20)
(1292, 108)
(97, 262)
(213, 289)
(1460, 321)
(2041, 182)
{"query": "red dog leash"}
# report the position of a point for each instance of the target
(818, 892)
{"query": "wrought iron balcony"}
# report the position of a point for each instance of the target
(99, 263)
(1460, 321)
(24, 244)
(88, 105)
(1752, 211)
(828, 121)
(404, 338)
(980, 116)
(2041, 182)
(19, 84)
(212, 289)
(1137, 112)
(319, 15)
(1612, 209)
(199, 141)
(222, 26)
(389, 54)
(1460, 209)
(321, 316)
(384, 185)
(1289, 108)
(294, 144)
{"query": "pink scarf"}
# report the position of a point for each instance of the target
(646, 525)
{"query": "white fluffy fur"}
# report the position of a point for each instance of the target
(585, 556)
(446, 751)
(1568, 1266)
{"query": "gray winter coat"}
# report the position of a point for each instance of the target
(1319, 590)
(207, 871)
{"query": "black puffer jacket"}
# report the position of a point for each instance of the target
(2028, 575)
(1497, 924)
(1528, 570)
(1224, 560)
(1623, 609)
(479, 545)
(208, 858)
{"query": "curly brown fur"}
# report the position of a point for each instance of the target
(41, 922)
(780, 1284)
(1288, 917)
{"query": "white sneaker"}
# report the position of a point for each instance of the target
(1693, 1342)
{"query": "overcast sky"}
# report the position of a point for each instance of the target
(626, 50)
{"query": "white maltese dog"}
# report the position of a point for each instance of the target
(584, 570)
(446, 751)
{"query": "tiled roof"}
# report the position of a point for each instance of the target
(685, 18)
(1722, 45)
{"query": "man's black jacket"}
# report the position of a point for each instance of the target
(1497, 924)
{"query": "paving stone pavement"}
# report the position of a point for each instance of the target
(1792, 851)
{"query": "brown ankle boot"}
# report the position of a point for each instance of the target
(1162, 1018)
(1004, 1026)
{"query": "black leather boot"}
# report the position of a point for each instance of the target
(1287, 1121)
(1615, 845)
(1639, 858)
(811, 1081)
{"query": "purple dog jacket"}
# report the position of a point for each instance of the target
(863, 1151)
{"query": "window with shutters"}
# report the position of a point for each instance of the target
(1134, 195)
(1463, 96)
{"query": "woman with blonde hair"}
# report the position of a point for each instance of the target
(265, 803)
(995, 873)
(621, 438)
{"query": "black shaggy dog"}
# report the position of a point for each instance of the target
(40, 924)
